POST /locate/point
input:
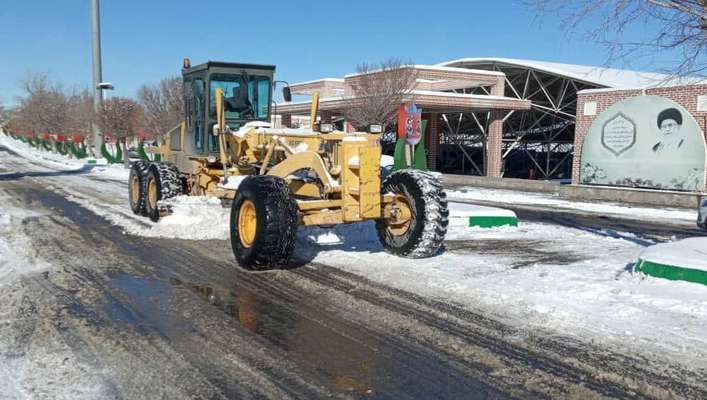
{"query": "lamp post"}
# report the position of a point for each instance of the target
(97, 72)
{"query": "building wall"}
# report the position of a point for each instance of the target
(686, 96)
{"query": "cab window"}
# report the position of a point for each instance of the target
(246, 97)
(197, 110)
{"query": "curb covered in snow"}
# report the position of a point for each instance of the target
(683, 260)
(473, 215)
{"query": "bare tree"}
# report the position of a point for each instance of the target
(163, 104)
(80, 113)
(44, 106)
(4, 114)
(120, 117)
(675, 28)
(379, 90)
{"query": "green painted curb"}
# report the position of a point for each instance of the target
(492, 222)
(672, 272)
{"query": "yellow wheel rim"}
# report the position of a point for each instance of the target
(135, 189)
(247, 223)
(401, 219)
(152, 193)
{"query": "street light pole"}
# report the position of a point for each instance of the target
(97, 72)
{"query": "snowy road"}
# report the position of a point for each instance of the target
(89, 311)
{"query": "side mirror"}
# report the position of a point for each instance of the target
(287, 94)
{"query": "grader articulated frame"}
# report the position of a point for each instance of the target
(281, 178)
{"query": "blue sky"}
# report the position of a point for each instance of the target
(146, 40)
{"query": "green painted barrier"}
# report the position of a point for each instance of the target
(492, 221)
(45, 144)
(61, 148)
(78, 152)
(672, 272)
(118, 158)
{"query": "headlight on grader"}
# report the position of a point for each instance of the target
(376, 128)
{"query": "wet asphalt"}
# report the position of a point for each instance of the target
(167, 318)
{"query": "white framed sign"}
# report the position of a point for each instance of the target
(647, 142)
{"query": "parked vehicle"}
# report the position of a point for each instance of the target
(702, 215)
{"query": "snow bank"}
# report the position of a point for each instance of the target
(461, 210)
(116, 172)
(199, 218)
(543, 199)
(192, 218)
(16, 257)
(687, 253)
(49, 159)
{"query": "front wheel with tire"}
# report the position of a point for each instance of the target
(162, 182)
(416, 221)
(263, 223)
(137, 187)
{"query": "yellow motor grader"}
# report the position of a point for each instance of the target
(279, 179)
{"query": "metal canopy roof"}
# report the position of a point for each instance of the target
(596, 76)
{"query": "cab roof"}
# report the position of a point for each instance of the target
(223, 64)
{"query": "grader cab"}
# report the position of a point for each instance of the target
(280, 178)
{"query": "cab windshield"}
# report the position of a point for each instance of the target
(246, 97)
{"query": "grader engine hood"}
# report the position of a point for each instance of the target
(351, 163)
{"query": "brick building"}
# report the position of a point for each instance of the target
(491, 116)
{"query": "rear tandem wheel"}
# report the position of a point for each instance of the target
(162, 182)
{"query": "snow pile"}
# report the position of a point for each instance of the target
(16, 257)
(49, 159)
(192, 217)
(687, 253)
(544, 199)
(116, 172)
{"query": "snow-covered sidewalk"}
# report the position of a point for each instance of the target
(511, 197)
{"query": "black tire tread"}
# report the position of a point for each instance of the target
(139, 168)
(275, 242)
(430, 210)
(169, 184)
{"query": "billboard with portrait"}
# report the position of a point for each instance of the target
(645, 142)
